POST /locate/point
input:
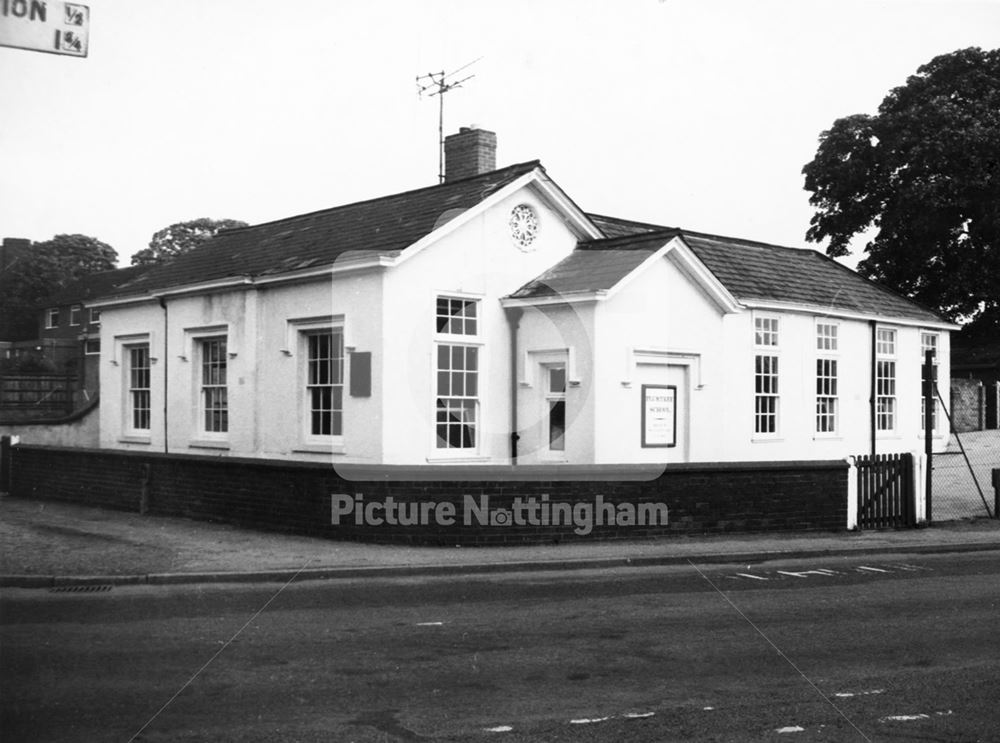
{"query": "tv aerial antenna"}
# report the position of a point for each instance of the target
(437, 84)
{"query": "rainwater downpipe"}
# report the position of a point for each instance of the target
(514, 321)
(166, 377)
(872, 402)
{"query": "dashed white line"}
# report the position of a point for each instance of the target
(843, 694)
(791, 729)
(748, 575)
(430, 624)
(637, 715)
(874, 570)
(499, 729)
(588, 721)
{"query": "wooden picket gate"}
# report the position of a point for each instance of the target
(886, 493)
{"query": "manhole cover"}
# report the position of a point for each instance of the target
(81, 589)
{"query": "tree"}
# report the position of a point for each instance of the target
(181, 237)
(48, 267)
(924, 174)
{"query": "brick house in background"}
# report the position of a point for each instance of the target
(490, 320)
(69, 328)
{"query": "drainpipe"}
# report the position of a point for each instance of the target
(166, 377)
(874, 385)
(513, 315)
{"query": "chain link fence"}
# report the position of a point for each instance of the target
(963, 489)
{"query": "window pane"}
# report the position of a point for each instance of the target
(557, 379)
(557, 425)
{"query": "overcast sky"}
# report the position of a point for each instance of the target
(692, 113)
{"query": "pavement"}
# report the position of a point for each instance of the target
(45, 544)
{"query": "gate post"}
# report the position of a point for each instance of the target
(920, 487)
(852, 494)
(4, 464)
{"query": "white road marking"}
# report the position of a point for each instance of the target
(791, 729)
(587, 721)
(708, 708)
(874, 570)
(804, 573)
(904, 718)
(499, 729)
(748, 575)
(859, 693)
(430, 624)
(637, 715)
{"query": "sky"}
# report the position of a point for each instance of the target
(690, 113)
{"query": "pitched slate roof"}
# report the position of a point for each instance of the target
(753, 272)
(382, 226)
(93, 286)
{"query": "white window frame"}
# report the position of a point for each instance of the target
(767, 403)
(466, 340)
(87, 345)
(204, 386)
(827, 393)
(51, 318)
(463, 376)
(130, 391)
(550, 398)
(476, 321)
(306, 332)
(74, 315)
(95, 315)
(826, 385)
(886, 385)
(827, 336)
(766, 331)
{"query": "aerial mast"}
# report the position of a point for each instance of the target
(439, 83)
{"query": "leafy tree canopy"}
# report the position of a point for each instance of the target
(924, 175)
(181, 237)
(47, 268)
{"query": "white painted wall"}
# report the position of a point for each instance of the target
(479, 260)
(660, 328)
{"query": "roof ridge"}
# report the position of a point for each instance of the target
(755, 243)
(523, 165)
(595, 215)
(600, 243)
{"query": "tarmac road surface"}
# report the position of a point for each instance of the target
(877, 648)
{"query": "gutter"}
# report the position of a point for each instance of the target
(513, 315)
(166, 377)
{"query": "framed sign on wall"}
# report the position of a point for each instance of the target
(659, 415)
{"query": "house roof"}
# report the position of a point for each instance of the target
(382, 226)
(752, 272)
(94, 285)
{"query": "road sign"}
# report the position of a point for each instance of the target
(45, 26)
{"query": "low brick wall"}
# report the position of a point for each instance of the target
(298, 497)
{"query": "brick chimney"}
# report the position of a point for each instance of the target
(470, 152)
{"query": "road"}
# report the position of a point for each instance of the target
(886, 648)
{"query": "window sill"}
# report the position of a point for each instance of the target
(828, 437)
(320, 449)
(457, 459)
(768, 440)
(134, 440)
(202, 444)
